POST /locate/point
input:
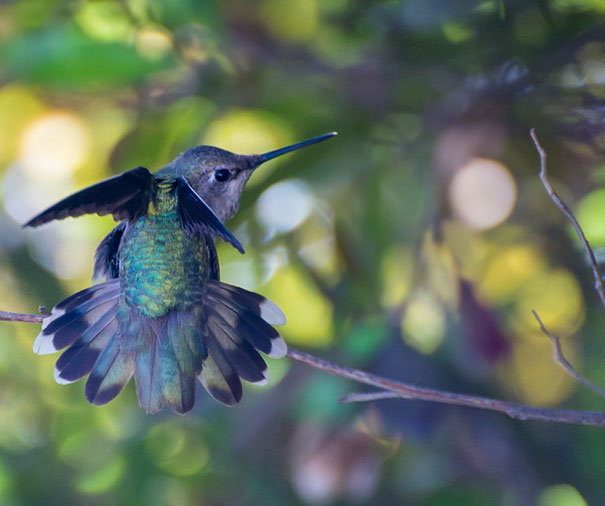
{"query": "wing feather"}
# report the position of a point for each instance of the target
(125, 197)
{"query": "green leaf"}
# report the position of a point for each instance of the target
(62, 56)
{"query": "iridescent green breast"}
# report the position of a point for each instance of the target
(161, 267)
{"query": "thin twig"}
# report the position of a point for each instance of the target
(20, 317)
(564, 208)
(411, 392)
(367, 396)
(563, 362)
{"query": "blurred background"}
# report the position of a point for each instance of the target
(413, 245)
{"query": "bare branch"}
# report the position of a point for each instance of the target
(392, 388)
(20, 317)
(367, 396)
(563, 362)
(411, 392)
(564, 208)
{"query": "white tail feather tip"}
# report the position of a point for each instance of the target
(43, 345)
(59, 379)
(270, 312)
(56, 313)
(279, 348)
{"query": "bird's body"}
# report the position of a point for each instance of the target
(162, 314)
(162, 268)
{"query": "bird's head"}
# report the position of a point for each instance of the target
(219, 176)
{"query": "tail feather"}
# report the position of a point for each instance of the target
(72, 317)
(240, 299)
(78, 360)
(237, 328)
(219, 342)
(181, 362)
(147, 375)
(168, 360)
(218, 376)
(245, 360)
(252, 328)
(112, 370)
(83, 295)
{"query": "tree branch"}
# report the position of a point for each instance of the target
(392, 388)
(563, 362)
(20, 317)
(564, 208)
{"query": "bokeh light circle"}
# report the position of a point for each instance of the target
(483, 193)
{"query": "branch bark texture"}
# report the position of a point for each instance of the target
(395, 389)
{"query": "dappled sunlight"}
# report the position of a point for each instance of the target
(424, 322)
(293, 21)
(443, 272)
(284, 206)
(105, 20)
(483, 193)
(589, 212)
(19, 106)
(53, 146)
(309, 314)
(531, 375)
(561, 495)
(396, 269)
(153, 43)
(508, 270)
(99, 481)
(318, 249)
(248, 132)
(62, 249)
(558, 299)
(176, 449)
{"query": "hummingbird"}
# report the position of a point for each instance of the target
(162, 314)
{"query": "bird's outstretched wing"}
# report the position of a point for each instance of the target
(125, 197)
(198, 218)
(107, 255)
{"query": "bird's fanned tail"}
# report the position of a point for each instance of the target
(218, 343)
(238, 327)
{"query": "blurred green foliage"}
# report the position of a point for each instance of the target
(414, 245)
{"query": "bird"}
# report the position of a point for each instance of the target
(162, 315)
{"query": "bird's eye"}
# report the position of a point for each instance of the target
(222, 175)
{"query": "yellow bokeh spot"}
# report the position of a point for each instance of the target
(590, 212)
(558, 299)
(247, 132)
(54, 145)
(101, 480)
(104, 20)
(579, 5)
(456, 32)
(507, 272)
(443, 274)
(308, 313)
(424, 323)
(396, 269)
(294, 20)
(318, 249)
(153, 43)
(177, 450)
(561, 495)
(531, 374)
(19, 106)
(469, 248)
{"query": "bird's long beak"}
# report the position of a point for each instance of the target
(259, 159)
